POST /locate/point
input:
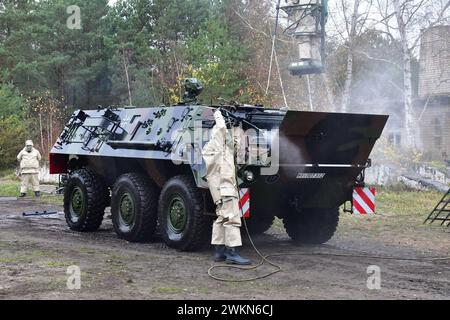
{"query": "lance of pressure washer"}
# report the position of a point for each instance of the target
(34, 214)
(227, 113)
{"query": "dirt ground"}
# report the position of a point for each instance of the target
(35, 253)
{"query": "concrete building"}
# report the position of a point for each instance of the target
(434, 77)
(433, 103)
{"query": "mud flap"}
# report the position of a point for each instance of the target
(244, 202)
(363, 200)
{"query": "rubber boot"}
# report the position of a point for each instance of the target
(22, 195)
(219, 253)
(37, 193)
(234, 257)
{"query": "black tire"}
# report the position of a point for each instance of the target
(259, 223)
(84, 200)
(134, 207)
(182, 221)
(313, 226)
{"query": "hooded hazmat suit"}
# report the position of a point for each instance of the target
(29, 159)
(219, 156)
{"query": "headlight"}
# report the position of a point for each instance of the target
(249, 176)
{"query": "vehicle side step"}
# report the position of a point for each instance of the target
(441, 212)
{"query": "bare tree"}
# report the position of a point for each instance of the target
(348, 21)
(254, 22)
(351, 37)
(407, 78)
(404, 20)
(125, 67)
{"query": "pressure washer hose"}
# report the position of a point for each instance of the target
(265, 258)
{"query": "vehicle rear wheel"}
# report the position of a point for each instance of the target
(313, 226)
(259, 223)
(84, 200)
(182, 222)
(134, 207)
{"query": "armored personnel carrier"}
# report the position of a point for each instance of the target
(146, 164)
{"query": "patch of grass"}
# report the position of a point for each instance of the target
(402, 202)
(87, 250)
(15, 258)
(278, 223)
(406, 203)
(8, 173)
(52, 199)
(38, 254)
(204, 290)
(5, 244)
(168, 290)
(115, 265)
(279, 286)
(11, 259)
(399, 202)
(398, 187)
(25, 255)
(399, 211)
(9, 188)
(57, 283)
(57, 264)
(113, 257)
(442, 166)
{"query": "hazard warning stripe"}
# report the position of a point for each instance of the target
(364, 200)
(244, 197)
(246, 210)
(370, 193)
(359, 203)
(357, 208)
(363, 193)
(244, 202)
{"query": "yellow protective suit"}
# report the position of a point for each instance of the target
(219, 156)
(29, 169)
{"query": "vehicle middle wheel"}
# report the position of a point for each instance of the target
(134, 207)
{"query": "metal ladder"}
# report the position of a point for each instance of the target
(441, 212)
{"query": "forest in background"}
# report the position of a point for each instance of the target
(138, 52)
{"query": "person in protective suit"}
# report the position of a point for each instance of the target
(29, 159)
(219, 155)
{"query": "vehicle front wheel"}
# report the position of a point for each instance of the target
(84, 200)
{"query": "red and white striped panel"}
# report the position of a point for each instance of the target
(244, 202)
(364, 200)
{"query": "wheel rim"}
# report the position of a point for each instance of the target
(177, 216)
(127, 210)
(77, 204)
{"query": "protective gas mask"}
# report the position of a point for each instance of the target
(29, 148)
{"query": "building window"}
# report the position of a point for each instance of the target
(395, 139)
(438, 141)
(437, 132)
